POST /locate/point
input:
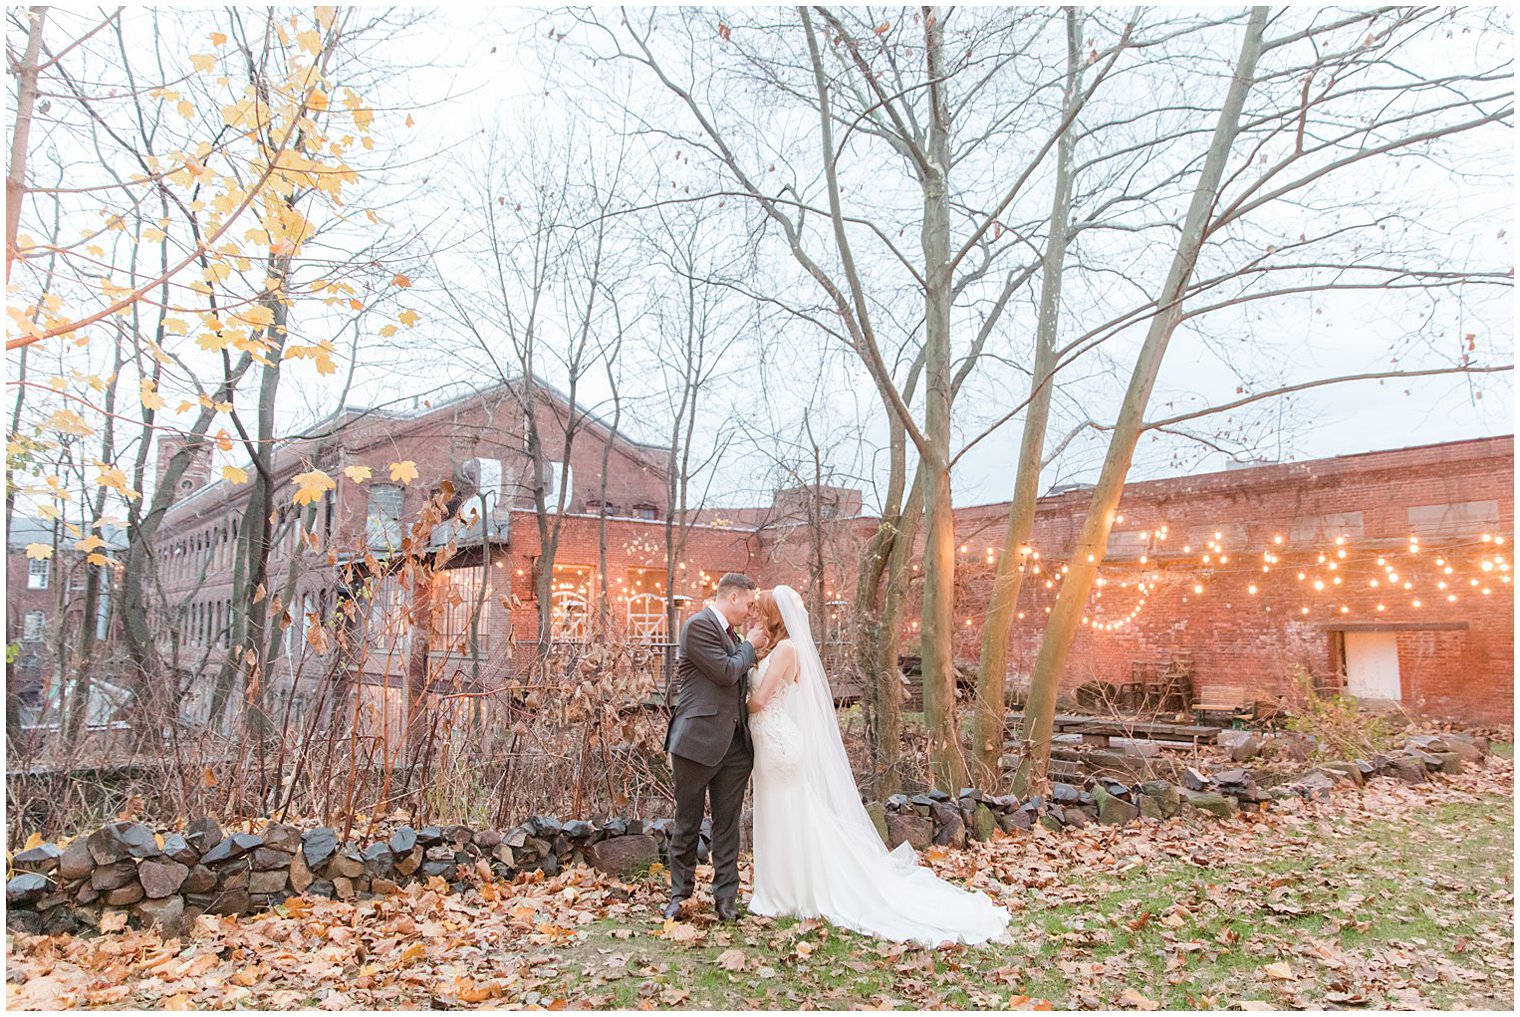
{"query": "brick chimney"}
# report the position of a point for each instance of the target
(196, 476)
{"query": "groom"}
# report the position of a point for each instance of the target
(708, 740)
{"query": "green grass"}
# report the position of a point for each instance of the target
(1430, 884)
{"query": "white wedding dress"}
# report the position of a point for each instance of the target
(816, 851)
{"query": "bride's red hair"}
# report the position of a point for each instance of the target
(768, 613)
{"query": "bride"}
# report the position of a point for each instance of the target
(816, 852)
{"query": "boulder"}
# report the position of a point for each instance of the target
(76, 860)
(162, 878)
(410, 862)
(114, 874)
(345, 862)
(282, 837)
(1065, 794)
(319, 845)
(624, 857)
(1150, 808)
(200, 880)
(229, 902)
(378, 860)
(579, 829)
(123, 895)
(1349, 771)
(177, 848)
(265, 858)
(878, 819)
(26, 888)
(1113, 810)
(983, 822)
(301, 876)
(116, 842)
(1246, 749)
(501, 853)
(1212, 802)
(1018, 819)
(1164, 794)
(1409, 769)
(42, 858)
(908, 828)
(1194, 780)
(1451, 762)
(236, 846)
(949, 826)
(166, 914)
(458, 835)
(484, 839)
(1075, 815)
(203, 834)
(267, 881)
(403, 839)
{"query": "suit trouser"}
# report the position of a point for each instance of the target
(724, 785)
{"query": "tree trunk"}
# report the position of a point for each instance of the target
(938, 628)
(1039, 716)
(21, 134)
(991, 700)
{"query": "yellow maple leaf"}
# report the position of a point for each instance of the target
(310, 41)
(89, 543)
(387, 330)
(70, 423)
(218, 38)
(39, 552)
(325, 15)
(404, 472)
(151, 400)
(408, 317)
(202, 62)
(234, 475)
(312, 486)
(358, 474)
(402, 281)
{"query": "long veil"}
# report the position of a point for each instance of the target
(824, 764)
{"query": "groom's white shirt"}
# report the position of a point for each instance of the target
(722, 621)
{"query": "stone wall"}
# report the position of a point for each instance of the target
(166, 878)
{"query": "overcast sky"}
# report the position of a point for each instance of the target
(468, 71)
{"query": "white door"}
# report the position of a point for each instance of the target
(1372, 665)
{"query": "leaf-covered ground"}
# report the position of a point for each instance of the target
(1393, 896)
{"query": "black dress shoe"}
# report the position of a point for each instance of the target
(673, 910)
(728, 911)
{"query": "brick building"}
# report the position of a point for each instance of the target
(1183, 574)
(1388, 570)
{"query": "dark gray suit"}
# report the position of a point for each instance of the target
(711, 756)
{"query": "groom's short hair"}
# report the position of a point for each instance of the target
(735, 581)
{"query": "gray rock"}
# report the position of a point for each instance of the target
(909, 828)
(322, 888)
(203, 834)
(1451, 762)
(459, 835)
(484, 839)
(1212, 802)
(1113, 810)
(319, 845)
(1075, 816)
(430, 835)
(1247, 749)
(1064, 794)
(624, 857)
(23, 920)
(26, 888)
(1193, 780)
(897, 802)
(268, 881)
(430, 869)
(166, 914)
(162, 878)
(579, 829)
(878, 816)
(403, 839)
(76, 860)
(114, 874)
(501, 852)
(949, 827)
(1018, 819)
(199, 880)
(378, 860)
(445, 852)
(1150, 808)
(115, 842)
(236, 846)
(42, 858)
(1050, 822)
(177, 848)
(233, 877)
(86, 894)
(408, 863)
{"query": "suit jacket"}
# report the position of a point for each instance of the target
(712, 677)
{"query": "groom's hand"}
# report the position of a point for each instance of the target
(757, 638)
